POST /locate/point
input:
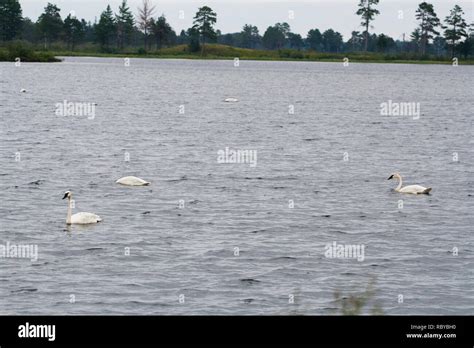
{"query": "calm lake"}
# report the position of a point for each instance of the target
(252, 237)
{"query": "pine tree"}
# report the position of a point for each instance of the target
(249, 36)
(367, 12)
(429, 21)
(50, 24)
(106, 28)
(125, 24)
(10, 19)
(204, 22)
(74, 31)
(456, 28)
(162, 31)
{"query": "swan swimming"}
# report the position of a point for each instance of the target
(413, 189)
(231, 100)
(132, 181)
(79, 218)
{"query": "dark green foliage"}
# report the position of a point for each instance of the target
(332, 41)
(25, 52)
(295, 41)
(367, 11)
(455, 29)
(314, 40)
(74, 31)
(50, 24)
(163, 33)
(249, 37)
(106, 28)
(10, 19)
(125, 23)
(429, 21)
(193, 36)
(275, 37)
(121, 33)
(203, 24)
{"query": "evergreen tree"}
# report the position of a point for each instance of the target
(332, 41)
(275, 36)
(249, 36)
(28, 30)
(384, 43)
(415, 37)
(106, 28)
(439, 44)
(162, 32)
(182, 38)
(10, 19)
(314, 40)
(50, 24)
(356, 41)
(467, 46)
(428, 22)
(125, 24)
(295, 41)
(193, 37)
(73, 31)
(455, 29)
(204, 22)
(367, 12)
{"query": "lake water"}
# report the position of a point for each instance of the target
(235, 238)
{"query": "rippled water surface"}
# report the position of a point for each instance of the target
(236, 247)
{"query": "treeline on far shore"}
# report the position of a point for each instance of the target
(122, 33)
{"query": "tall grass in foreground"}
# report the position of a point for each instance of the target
(358, 303)
(355, 303)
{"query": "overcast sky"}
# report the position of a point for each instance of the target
(233, 14)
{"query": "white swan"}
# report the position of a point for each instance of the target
(132, 181)
(231, 100)
(79, 218)
(413, 189)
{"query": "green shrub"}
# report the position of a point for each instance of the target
(26, 52)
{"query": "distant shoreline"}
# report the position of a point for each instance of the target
(268, 59)
(223, 52)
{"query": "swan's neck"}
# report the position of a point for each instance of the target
(69, 211)
(400, 182)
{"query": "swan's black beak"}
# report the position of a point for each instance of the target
(65, 196)
(391, 177)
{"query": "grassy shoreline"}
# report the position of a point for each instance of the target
(26, 53)
(211, 57)
(222, 52)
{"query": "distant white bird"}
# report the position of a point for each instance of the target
(22, 90)
(132, 181)
(413, 189)
(79, 218)
(231, 100)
